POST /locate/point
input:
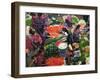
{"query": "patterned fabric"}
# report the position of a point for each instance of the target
(51, 50)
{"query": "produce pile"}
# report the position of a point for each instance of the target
(57, 39)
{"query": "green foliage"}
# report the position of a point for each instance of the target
(75, 19)
(28, 22)
(52, 40)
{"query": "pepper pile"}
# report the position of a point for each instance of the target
(55, 61)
